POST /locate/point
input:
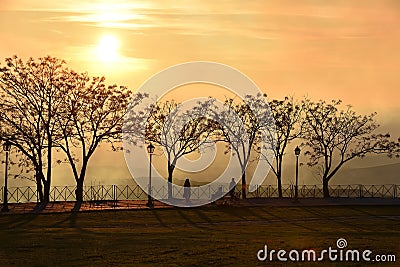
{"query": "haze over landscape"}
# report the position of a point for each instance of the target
(320, 49)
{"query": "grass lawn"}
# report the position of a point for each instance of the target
(206, 236)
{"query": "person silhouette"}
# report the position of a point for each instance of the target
(186, 192)
(232, 186)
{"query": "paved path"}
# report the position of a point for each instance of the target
(141, 204)
(325, 201)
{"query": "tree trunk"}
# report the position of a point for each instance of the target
(244, 185)
(47, 181)
(79, 190)
(79, 180)
(325, 187)
(39, 187)
(279, 177)
(171, 168)
(46, 192)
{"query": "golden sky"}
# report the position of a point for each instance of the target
(345, 49)
(325, 49)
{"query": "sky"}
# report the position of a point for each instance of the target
(321, 49)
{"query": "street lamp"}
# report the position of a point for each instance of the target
(150, 150)
(6, 148)
(296, 189)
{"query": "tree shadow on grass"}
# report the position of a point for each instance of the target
(203, 216)
(330, 218)
(23, 219)
(234, 211)
(18, 220)
(369, 213)
(251, 212)
(157, 216)
(245, 213)
(190, 221)
(286, 220)
(70, 221)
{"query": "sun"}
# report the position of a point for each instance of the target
(107, 49)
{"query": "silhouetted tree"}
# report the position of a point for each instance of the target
(335, 136)
(242, 125)
(179, 132)
(288, 125)
(31, 95)
(92, 113)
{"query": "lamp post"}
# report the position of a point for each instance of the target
(7, 148)
(150, 150)
(296, 189)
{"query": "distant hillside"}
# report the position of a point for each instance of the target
(358, 173)
(192, 182)
(383, 174)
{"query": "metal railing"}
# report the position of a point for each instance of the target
(100, 193)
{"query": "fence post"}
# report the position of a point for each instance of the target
(361, 190)
(291, 191)
(115, 196)
(91, 196)
(394, 191)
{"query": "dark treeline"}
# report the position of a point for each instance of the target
(45, 106)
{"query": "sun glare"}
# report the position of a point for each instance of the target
(107, 49)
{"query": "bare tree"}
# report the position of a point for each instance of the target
(335, 136)
(32, 94)
(288, 123)
(92, 113)
(242, 125)
(179, 132)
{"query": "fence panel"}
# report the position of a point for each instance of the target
(21, 194)
(62, 193)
